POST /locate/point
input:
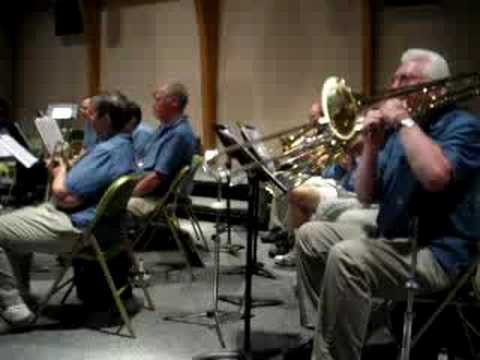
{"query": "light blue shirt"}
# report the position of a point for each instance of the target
(89, 136)
(93, 174)
(142, 135)
(171, 147)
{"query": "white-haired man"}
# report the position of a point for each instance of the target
(171, 147)
(428, 169)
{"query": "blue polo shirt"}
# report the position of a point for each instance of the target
(141, 137)
(171, 147)
(346, 179)
(93, 174)
(89, 136)
(448, 220)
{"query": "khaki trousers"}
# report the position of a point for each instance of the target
(340, 271)
(31, 229)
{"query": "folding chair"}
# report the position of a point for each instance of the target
(182, 201)
(463, 295)
(164, 214)
(110, 210)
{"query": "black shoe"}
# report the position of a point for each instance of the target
(302, 351)
(272, 235)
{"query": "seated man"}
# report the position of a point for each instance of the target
(171, 147)
(85, 115)
(55, 226)
(428, 170)
(141, 132)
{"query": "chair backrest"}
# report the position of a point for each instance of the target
(114, 202)
(185, 188)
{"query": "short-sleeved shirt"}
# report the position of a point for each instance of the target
(172, 147)
(93, 174)
(346, 179)
(89, 136)
(448, 220)
(141, 137)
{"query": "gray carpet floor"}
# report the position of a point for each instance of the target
(272, 327)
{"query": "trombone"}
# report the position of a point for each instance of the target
(343, 122)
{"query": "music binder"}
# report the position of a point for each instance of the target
(50, 133)
(244, 156)
(8, 145)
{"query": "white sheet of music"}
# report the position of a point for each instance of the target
(50, 132)
(10, 145)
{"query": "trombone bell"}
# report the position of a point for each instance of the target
(340, 107)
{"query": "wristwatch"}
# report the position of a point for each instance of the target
(407, 122)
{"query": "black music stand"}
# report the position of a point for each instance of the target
(246, 155)
(260, 173)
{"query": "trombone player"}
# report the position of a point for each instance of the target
(429, 170)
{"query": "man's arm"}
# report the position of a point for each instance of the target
(366, 175)
(426, 159)
(149, 184)
(64, 198)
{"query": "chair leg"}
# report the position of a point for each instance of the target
(53, 290)
(111, 284)
(172, 226)
(444, 303)
(197, 228)
(136, 267)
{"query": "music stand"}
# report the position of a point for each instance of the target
(244, 156)
(228, 247)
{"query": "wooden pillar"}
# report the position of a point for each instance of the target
(208, 19)
(368, 47)
(91, 10)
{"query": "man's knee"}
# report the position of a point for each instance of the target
(348, 254)
(310, 238)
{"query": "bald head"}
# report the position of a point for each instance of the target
(171, 100)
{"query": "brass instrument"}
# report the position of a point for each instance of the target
(342, 110)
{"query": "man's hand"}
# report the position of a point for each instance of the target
(394, 110)
(56, 166)
(374, 129)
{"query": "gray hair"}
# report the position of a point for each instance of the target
(178, 90)
(438, 68)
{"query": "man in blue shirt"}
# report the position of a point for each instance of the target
(55, 226)
(141, 132)
(429, 170)
(171, 147)
(89, 136)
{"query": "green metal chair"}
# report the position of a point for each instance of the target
(182, 201)
(165, 214)
(93, 247)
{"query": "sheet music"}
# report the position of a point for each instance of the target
(10, 145)
(50, 133)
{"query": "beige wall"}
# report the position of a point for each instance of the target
(48, 68)
(451, 29)
(147, 44)
(275, 55)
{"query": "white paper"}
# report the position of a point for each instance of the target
(61, 113)
(10, 145)
(50, 133)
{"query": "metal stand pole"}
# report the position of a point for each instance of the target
(411, 286)
(214, 313)
(228, 246)
(251, 267)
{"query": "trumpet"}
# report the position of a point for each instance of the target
(343, 123)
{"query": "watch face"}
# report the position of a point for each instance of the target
(407, 122)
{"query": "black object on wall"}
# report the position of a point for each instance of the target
(411, 2)
(68, 17)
